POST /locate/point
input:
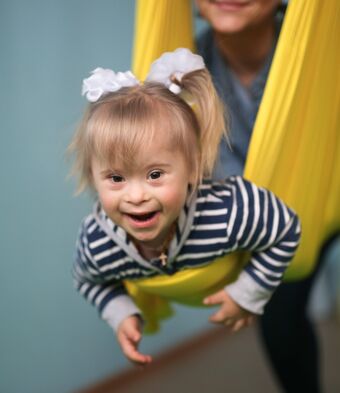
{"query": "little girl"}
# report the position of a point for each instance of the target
(147, 150)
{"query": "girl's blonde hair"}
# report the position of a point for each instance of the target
(118, 125)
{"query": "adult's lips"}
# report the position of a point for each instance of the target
(230, 5)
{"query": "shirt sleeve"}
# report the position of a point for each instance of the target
(109, 297)
(261, 223)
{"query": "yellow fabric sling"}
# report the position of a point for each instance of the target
(160, 26)
(295, 148)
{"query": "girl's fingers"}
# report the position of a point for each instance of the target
(229, 322)
(218, 317)
(129, 336)
(238, 325)
(216, 298)
(139, 358)
(129, 348)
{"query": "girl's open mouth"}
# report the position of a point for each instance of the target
(142, 217)
(143, 220)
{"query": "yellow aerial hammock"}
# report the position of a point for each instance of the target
(295, 147)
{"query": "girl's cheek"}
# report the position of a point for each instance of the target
(172, 198)
(106, 201)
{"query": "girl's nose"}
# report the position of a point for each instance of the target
(136, 193)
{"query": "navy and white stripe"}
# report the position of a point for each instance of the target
(222, 218)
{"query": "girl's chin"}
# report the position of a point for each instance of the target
(148, 242)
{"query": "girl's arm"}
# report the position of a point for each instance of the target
(109, 296)
(114, 304)
(265, 226)
(261, 223)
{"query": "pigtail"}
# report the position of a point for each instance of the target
(199, 92)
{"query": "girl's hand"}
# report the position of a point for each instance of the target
(129, 335)
(230, 313)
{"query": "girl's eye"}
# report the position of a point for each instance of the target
(154, 175)
(116, 178)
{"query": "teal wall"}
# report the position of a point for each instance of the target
(51, 340)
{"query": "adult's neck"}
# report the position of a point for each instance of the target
(246, 51)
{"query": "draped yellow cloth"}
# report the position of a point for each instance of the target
(160, 26)
(295, 147)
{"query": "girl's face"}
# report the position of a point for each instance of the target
(146, 198)
(236, 16)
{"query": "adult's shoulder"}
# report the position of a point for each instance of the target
(204, 38)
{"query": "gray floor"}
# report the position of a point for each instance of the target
(234, 365)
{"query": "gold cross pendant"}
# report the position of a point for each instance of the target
(164, 259)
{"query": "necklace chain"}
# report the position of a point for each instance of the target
(164, 252)
(163, 256)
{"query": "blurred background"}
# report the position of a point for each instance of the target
(51, 340)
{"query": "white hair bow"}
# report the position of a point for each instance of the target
(103, 81)
(174, 65)
(171, 65)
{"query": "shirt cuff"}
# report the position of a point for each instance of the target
(249, 294)
(119, 309)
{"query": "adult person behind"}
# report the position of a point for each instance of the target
(238, 48)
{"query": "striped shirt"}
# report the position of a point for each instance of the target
(218, 219)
